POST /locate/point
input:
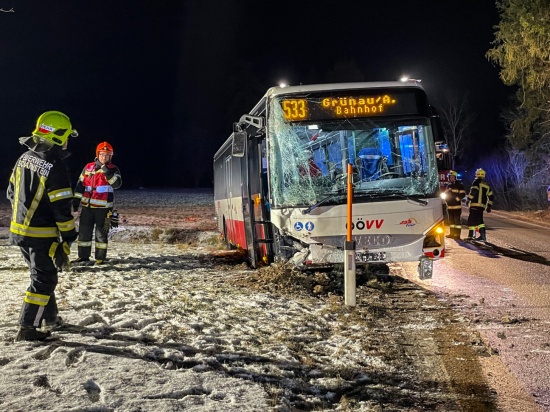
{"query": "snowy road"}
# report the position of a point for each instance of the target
(170, 323)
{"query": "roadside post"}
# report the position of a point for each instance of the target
(349, 249)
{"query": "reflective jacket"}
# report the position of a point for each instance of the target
(41, 196)
(455, 193)
(96, 185)
(481, 195)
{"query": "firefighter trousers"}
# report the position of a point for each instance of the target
(39, 302)
(91, 217)
(455, 225)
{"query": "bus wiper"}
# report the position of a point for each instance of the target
(412, 199)
(321, 202)
(419, 201)
(399, 195)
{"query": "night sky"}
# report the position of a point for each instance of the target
(163, 80)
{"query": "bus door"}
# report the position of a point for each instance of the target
(229, 223)
(257, 225)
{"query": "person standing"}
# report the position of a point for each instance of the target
(42, 224)
(94, 192)
(480, 199)
(454, 194)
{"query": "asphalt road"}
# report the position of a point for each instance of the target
(505, 291)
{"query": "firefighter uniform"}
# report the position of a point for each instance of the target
(455, 192)
(40, 194)
(95, 193)
(480, 199)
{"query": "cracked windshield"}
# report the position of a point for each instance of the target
(391, 157)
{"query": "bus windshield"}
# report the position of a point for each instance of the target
(391, 156)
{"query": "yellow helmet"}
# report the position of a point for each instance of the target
(54, 127)
(452, 173)
(480, 174)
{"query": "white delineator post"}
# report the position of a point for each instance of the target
(349, 249)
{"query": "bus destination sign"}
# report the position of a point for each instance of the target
(334, 107)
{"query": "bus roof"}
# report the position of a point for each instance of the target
(274, 91)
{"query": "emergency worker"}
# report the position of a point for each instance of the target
(480, 199)
(42, 224)
(94, 192)
(454, 194)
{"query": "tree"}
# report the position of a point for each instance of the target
(521, 45)
(456, 119)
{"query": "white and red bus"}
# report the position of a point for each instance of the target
(280, 179)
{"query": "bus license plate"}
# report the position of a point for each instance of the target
(370, 256)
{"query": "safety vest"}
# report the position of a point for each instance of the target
(96, 184)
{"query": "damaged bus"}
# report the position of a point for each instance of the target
(280, 179)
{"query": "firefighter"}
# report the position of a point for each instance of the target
(42, 224)
(480, 199)
(94, 192)
(454, 194)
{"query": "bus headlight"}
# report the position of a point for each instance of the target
(435, 237)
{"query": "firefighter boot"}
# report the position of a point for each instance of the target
(471, 235)
(30, 333)
(482, 236)
(457, 233)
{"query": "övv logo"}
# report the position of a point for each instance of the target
(361, 224)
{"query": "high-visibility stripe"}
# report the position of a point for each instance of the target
(100, 245)
(16, 194)
(65, 193)
(84, 244)
(104, 189)
(113, 179)
(38, 317)
(100, 203)
(36, 200)
(37, 299)
(30, 231)
(66, 226)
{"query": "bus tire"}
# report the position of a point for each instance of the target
(226, 237)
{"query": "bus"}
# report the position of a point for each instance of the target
(280, 179)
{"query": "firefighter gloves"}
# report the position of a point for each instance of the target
(107, 222)
(114, 219)
(59, 252)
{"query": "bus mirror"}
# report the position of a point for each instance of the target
(239, 144)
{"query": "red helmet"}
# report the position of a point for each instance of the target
(104, 147)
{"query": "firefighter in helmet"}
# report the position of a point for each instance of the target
(94, 193)
(480, 199)
(42, 224)
(454, 194)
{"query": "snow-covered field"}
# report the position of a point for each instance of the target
(175, 322)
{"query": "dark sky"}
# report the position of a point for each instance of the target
(163, 80)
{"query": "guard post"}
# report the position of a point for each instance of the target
(349, 249)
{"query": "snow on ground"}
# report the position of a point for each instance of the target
(175, 322)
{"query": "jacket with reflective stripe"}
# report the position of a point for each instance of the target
(41, 197)
(480, 195)
(455, 192)
(96, 185)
